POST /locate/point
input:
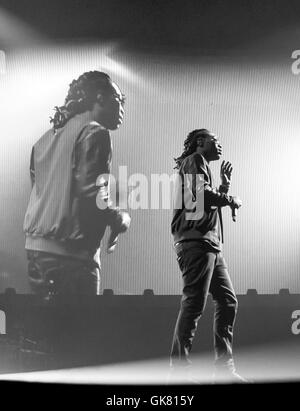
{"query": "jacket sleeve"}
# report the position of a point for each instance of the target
(224, 188)
(212, 197)
(31, 168)
(92, 159)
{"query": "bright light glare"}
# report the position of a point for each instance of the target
(258, 364)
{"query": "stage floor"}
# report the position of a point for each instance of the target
(260, 364)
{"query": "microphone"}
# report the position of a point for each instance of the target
(233, 213)
(112, 242)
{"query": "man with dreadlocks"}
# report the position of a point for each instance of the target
(63, 224)
(198, 245)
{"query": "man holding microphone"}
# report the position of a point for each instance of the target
(198, 245)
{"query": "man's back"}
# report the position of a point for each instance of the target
(63, 224)
(53, 214)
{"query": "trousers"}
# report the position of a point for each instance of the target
(203, 272)
(52, 274)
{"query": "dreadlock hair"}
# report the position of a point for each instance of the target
(81, 96)
(190, 145)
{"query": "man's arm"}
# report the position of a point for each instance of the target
(93, 158)
(212, 197)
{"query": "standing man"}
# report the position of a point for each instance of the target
(63, 225)
(198, 245)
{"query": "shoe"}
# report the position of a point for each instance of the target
(226, 374)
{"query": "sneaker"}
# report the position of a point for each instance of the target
(226, 373)
(227, 376)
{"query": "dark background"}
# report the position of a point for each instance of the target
(205, 24)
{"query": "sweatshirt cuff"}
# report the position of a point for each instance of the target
(224, 188)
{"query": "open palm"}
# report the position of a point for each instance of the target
(226, 171)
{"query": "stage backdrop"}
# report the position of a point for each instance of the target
(252, 105)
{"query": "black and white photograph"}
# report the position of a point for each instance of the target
(150, 198)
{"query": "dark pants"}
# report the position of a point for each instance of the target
(52, 274)
(204, 272)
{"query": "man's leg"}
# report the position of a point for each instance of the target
(225, 301)
(51, 274)
(197, 269)
(78, 278)
(225, 312)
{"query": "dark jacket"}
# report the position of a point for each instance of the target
(62, 215)
(208, 228)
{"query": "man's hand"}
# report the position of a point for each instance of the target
(120, 225)
(236, 202)
(122, 222)
(225, 173)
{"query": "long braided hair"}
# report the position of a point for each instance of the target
(190, 145)
(81, 96)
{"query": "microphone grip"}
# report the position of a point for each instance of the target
(233, 213)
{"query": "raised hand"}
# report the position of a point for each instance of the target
(225, 173)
